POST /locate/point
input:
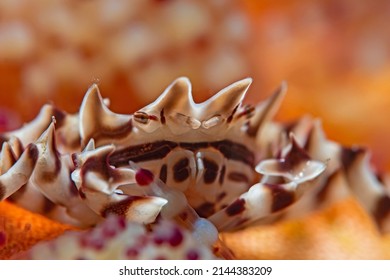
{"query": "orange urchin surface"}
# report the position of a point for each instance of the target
(21, 229)
(342, 231)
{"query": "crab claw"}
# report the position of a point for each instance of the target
(260, 201)
(100, 186)
(296, 166)
(271, 196)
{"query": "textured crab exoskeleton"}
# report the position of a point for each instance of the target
(216, 165)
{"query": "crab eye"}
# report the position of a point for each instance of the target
(212, 121)
(141, 117)
(185, 121)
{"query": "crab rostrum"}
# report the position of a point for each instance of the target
(211, 167)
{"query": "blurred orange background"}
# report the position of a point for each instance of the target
(335, 56)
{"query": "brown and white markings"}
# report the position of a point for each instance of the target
(213, 166)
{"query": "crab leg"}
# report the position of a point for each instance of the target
(348, 172)
(52, 177)
(269, 196)
(370, 191)
(361, 181)
(19, 173)
(99, 186)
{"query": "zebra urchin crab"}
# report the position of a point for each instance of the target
(210, 167)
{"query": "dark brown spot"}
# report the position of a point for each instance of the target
(211, 171)
(174, 238)
(294, 157)
(238, 177)
(163, 173)
(181, 170)
(281, 198)
(72, 188)
(2, 140)
(382, 210)
(144, 177)
(2, 191)
(181, 175)
(162, 117)
(160, 149)
(230, 118)
(235, 151)
(153, 118)
(96, 164)
(205, 210)
(99, 164)
(114, 132)
(144, 152)
(380, 177)
(349, 155)
(120, 208)
(194, 146)
(235, 208)
(246, 112)
(183, 163)
(222, 175)
(82, 194)
(59, 117)
(48, 176)
(57, 160)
